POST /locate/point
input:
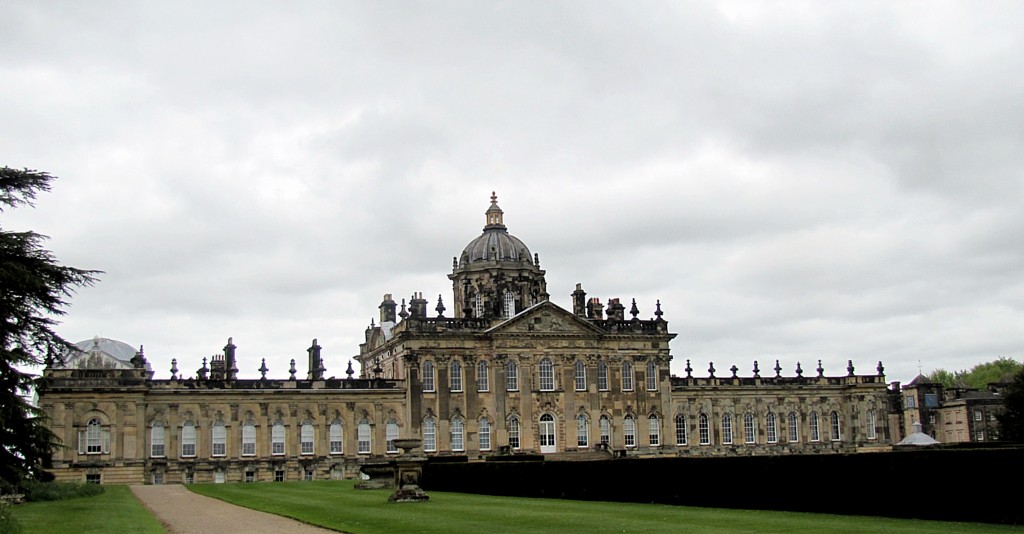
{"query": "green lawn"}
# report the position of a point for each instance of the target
(115, 510)
(337, 505)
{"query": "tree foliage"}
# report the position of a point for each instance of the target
(34, 292)
(1011, 421)
(1002, 369)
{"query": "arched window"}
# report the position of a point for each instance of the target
(390, 435)
(627, 375)
(836, 435)
(873, 432)
(793, 427)
(429, 435)
(458, 435)
(484, 435)
(652, 376)
(336, 437)
(547, 375)
(188, 439)
(547, 434)
(704, 429)
(815, 431)
(580, 375)
(606, 430)
(219, 439)
(277, 439)
(156, 439)
(772, 428)
(680, 429)
(482, 383)
(629, 431)
(510, 304)
(363, 437)
(455, 376)
(248, 439)
(511, 376)
(428, 376)
(307, 437)
(749, 429)
(582, 431)
(513, 433)
(602, 376)
(654, 431)
(727, 429)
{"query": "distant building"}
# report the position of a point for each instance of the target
(955, 415)
(506, 372)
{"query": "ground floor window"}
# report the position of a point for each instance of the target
(218, 477)
(308, 475)
(92, 478)
(158, 477)
(279, 475)
(190, 478)
(250, 476)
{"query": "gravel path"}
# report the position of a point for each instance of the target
(184, 512)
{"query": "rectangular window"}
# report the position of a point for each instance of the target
(513, 434)
(279, 475)
(391, 434)
(547, 375)
(977, 415)
(749, 432)
(248, 440)
(602, 376)
(428, 376)
(306, 439)
(629, 431)
(158, 478)
(911, 401)
(581, 376)
(220, 436)
(190, 478)
(308, 475)
(482, 383)
(277, 439)
(652, 376)
(627, 376)
(92, 478)
(980, 435)
(188, 441)
(931, 400)
(654, 432)
(705, 431)
(484, 436)
(363, 435)
(727, 429)
(872, 431)
(218, 477)
(512, 377)
(606, 431)
(680, 430)
(582, 431)
(250, 476)
(157, 436)
(429, 436)
(455, 379)
(336, 438)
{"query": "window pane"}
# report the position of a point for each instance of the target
(547, 375)
(485, 435)
(429, 435)
(481, 376)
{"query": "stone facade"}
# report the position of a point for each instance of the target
(508, 372)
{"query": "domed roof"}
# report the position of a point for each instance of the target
(112, 347)
(495, 244)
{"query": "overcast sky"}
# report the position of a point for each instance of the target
(794, 181)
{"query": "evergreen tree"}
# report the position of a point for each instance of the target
(1011, 421)
(34, 290)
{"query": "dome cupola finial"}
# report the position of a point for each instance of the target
(494, 214)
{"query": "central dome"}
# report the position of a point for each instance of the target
(495, 244)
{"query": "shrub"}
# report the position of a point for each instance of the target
(55, 491)
(8, 524)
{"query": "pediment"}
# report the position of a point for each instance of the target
(545, 318)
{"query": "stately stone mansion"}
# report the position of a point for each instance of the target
(508, 372)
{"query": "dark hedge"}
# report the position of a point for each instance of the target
(976, 485)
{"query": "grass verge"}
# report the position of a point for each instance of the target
(114, 510)
(337, 505)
